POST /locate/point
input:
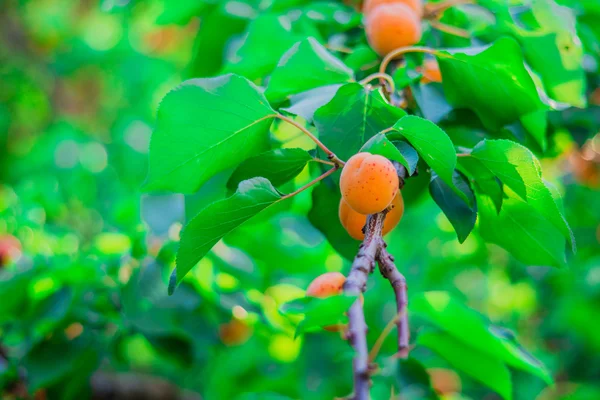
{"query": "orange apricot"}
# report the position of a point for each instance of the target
(415, 5)
(353, 222)
(10, 249)
(369, 183)
(444, 381)
(391, 26)
(431, 71)
(327, 284)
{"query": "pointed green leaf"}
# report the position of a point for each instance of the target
(319, 312)
(469, 327)
(433, 145)
(278, 166)
(518, 169)
(521, 230)
(459, 213)
(492, 82)
(221, 217)
(486, 369)
(399, 151)
(307, 65)
(253, 59)
(352, 117)
(206, 126)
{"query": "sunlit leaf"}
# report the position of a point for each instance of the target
(206, 126)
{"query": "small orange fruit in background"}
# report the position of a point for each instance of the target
(369, 183)
(10, 249)
(327, 284)
(415, 5)
(353, 222)
(390, 26)
(431, 71)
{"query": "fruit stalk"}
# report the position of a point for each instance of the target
(363, 265)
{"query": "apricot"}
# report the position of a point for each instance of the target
(415, 5)
(235, 332)
(325, 285)
(444, 381)
(368, 183)
(353, 222)
(10, 249)
(390, 26)
(431, 71)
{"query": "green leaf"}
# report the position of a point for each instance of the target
(480, 366)
(431, 101)
(206, 126)
(324, 216)
(483, 179)
(433, 145)
(518, 169)
(352, 117)
(319, 312)
(493, 83)
(253, 59)
(467, 326)
(220, 218)
(555, 52)
(536, 123)
(522, 230)
(278, 166)
(461, 216)
(379, 144)
(307, 65)
(306, 103)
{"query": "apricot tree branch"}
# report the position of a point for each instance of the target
(330, 154)
(363, 265)
(383, 77)
(390, 272)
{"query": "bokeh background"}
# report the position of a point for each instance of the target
(84, 310)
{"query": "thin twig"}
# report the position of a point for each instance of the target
(323, 161)
(383, 78)
(330, 154)
(309, 184)
(363, 265)
(435, 10)
(390, 272)
(401, 51)
(384, 334)
(452, 30)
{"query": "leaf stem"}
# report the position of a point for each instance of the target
(309, 184)
(323, 161)
(403, 50)
(330, 154)
(382, 77)
(452, 30)
(434, 11)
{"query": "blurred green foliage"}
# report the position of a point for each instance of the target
(85, 297)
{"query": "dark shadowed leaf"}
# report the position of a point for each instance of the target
(459, 213)
(220, 218)
(324, 216)
(483, 179)
(188, 147)
(278, 166)
(352, 117)
(307, 65)
(481, 366)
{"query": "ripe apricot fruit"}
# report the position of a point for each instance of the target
(390, 26)
(368, 183)
(327, 284)
(10, 248)
(353, 222)
(431, 71)
(415, 5)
